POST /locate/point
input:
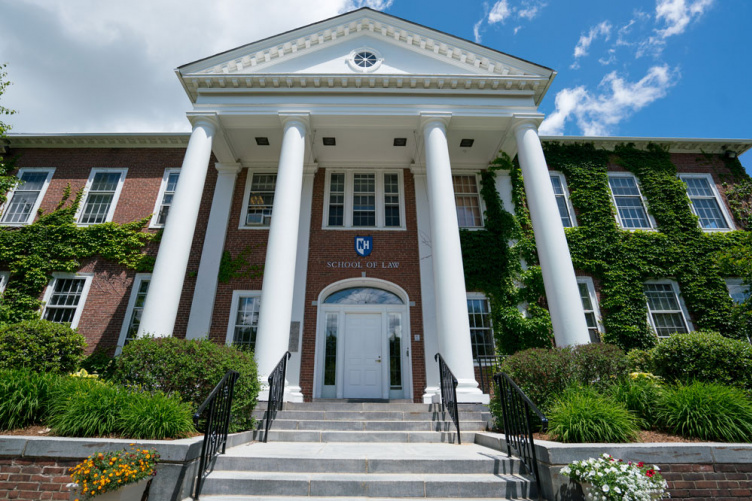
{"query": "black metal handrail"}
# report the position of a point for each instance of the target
(276, 392)
(218, 406)
(448, 385)
(488, 365)
(516, 410)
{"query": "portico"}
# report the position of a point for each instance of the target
(351, 127)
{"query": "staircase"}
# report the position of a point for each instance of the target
(355, 450)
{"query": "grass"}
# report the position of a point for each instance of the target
(155, 417)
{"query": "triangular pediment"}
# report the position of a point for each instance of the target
(403, 49)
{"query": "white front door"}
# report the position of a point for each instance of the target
(363, 355)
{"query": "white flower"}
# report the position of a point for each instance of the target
(605, 487)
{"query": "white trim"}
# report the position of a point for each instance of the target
(88, 277)
(40, 196)
(160, 197)
(719, 200)
(588, 281)
(236, 295)
(247, 195)
(137, 280)
(680, 299)
(651, 220)
(4, 277)
(359, 69)
(481, 202)
(379, 194)
(115, 197)
(567, 199)
(737, 285)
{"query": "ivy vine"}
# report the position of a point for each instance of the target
(239, 267)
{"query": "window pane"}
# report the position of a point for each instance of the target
(481, 334)
(330, 355)
(395, 351)
(337, 200)
(246, 322)
(709, 212)
(364, 200)
(64, 300)
(632, 213)
(391, 200)
(24, 197)
(96, 209)
(164, 209)
(363, 295)
(138, 309)
(467, 201)
(664, 309)
(105, 181)
(261, 200)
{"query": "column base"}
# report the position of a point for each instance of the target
(292, 394)
(432, 395)
(469, 393)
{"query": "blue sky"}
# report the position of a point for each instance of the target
(656, 68)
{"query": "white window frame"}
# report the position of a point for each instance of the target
(475, 296)
(88, 277)
(236, 296)
(719, 200)
(682, 306)
(160, 197)
(565, 188)
(380, 203)
(651, 220)
(588, 281)
(247, 196)
(32, 215)
(481, 203)
(115, 197)
(739, 285)
(4, 277)
(137, 280)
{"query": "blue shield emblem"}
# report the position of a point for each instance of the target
(363, 246)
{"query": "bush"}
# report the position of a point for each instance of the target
(100, 362)
(582, 415)
(39, 345)
(154, 417)
(89, 411)
(708, 411)
(640, 361)
(704, 356)
(641, 395)
(600, 363)
(191, 369)
(24, 397)
(542, 373)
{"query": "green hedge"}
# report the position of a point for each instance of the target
(39, 345)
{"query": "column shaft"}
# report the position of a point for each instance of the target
(449, 279)
(275, 313)
(166, 286)
(564, 303)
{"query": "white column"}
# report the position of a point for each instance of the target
(199, 322)
(166, 286)
(275, 313)
(449, 278)
(564, 303)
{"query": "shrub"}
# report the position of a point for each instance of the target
(100, 362)
(582, 415)
(542, 373)
(24, 397)
(39, 345)
(191, 369)
(90, 410)
(704, 356)
(641, 395)
(154, 417)
(708, 411)
(600, 363)
(640, 361)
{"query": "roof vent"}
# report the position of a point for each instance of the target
(262, 141)
(467, 143)
(400, 141)
(329, 141)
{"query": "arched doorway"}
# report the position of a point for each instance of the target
(362, 341)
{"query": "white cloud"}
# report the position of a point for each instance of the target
(476, 31)
(597, 114)
(530, 9)
(677, 14)
(499, 12)
(602, 29)
(502, 10)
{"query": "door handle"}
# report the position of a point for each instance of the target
(378, 360)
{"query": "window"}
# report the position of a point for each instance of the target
(164, 199)
(481, 333)
(630, 208)
(244, 319)
(259, 200)
(562, 200)
(65, 298)
(364, 200)
(705, 202)
(665, 310)
(24, 201)
(467, 200)
(4, 276)
(102, 193)
(738, 290)
(135, 308)
(590, 306)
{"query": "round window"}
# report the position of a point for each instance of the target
(365, 59)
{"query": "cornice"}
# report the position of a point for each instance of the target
(673, 144)
(76, 140)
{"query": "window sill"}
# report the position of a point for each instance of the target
(362, 228)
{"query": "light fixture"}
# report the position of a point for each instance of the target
(262, 141)
(400, 141)
(329, 141)
(730, 153)
(467, 143)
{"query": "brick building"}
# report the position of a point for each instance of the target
(342, 159)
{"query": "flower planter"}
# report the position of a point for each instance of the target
(130, 492)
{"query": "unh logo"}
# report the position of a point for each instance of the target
(363, 246)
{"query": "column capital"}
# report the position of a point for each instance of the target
(428, 117)
(527, 121)
(227, 169)
(289, 119)
(210, 120)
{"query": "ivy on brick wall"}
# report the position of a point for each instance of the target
(54, 243)
(620, 260)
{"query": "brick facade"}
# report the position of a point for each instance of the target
(35, 479)
(720, 481)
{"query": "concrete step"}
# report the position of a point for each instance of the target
(363, 425)
(337, 415)
(276, 435)
(326, 498)
(416, 485)
(342, 405)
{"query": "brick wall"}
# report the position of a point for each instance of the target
(720, 481)
(34, 479)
